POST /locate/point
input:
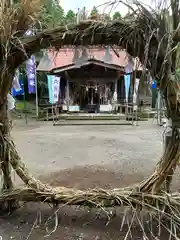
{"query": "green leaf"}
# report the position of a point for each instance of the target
(116, 16)
(70, 17)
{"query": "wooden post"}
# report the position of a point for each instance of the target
(67, 94)
(115, 96)
(115, 88)
(159, 108)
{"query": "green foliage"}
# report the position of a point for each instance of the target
(52, 14)
(70, 17)
(16, 2)
(116, 16)
(94, 13)
(158, 83)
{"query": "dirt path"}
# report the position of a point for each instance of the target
(74, 224)
(82, 157)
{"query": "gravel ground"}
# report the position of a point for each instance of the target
(83, 157)
(46, 148)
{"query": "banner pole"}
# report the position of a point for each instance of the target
(24, 98)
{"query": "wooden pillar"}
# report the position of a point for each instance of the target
(114, 97)
(115, 85)
(67, 94)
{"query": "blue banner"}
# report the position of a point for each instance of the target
(31, 74)
(127, 81)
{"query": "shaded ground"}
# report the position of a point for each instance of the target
(73, 224)
(82, 157)
(91, 177)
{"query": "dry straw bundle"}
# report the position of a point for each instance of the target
(144, 36)
(14, 22)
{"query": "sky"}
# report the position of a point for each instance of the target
(75, 4)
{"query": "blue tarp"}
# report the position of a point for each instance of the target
(154, 85)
